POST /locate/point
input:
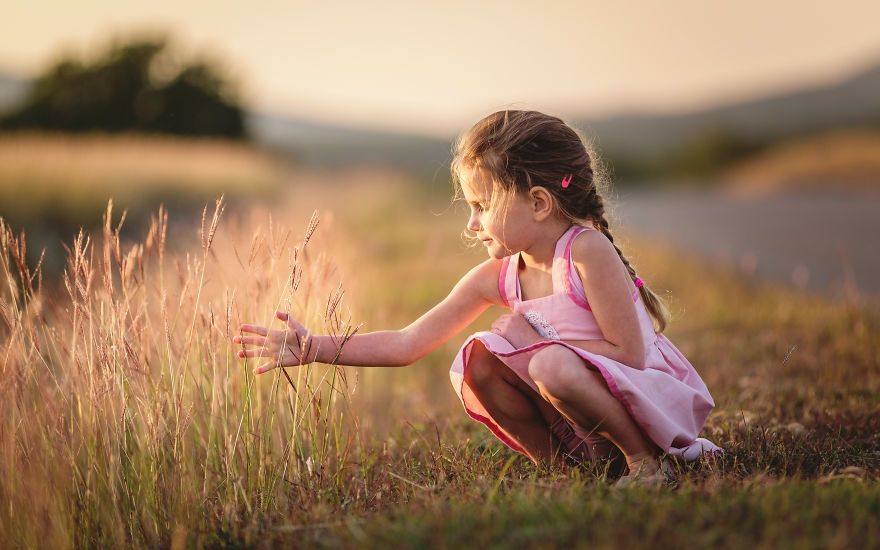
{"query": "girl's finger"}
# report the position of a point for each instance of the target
(295, 325)
(252, 340)
(257, 352)
(291, 321)
(255, 329)
(265, 367)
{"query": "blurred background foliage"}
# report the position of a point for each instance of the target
(137, 86)
(138, 122)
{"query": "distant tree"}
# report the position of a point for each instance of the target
(702, 156)
(136, 86)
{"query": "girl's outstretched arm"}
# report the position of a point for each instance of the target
(471, 296)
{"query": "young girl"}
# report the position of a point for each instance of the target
(577, 368)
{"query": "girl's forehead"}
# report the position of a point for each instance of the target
(476, 185)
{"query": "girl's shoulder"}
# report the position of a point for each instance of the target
(592, 245)
(484, 278)
(592, 251)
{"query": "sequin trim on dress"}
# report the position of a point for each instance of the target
(540, 324)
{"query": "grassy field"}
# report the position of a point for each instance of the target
(127, 420)
(53, 184)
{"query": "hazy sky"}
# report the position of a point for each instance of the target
(438, 67)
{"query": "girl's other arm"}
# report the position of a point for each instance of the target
(605, 280)
(609, 350)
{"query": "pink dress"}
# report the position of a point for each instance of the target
(668, 399)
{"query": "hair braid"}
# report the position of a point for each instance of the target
(652, 302)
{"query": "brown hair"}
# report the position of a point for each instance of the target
(524, 149)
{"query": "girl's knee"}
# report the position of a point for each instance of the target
(556, 369)
(482, 367)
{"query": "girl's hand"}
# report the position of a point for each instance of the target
(286, 348)
(514, 328)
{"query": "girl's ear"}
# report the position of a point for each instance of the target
(541, 202)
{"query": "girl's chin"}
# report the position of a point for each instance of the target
(496, 252)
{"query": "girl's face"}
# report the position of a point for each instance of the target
(503, 224)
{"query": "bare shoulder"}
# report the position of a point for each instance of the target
(483, 280)
(591, 249)
(594, 256)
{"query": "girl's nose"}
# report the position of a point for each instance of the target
(474, 223)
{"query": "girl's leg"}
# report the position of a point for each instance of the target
(581, 395)
(517, 408)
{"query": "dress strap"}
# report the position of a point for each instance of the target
(502, 279)
(565, 278)
(559, 270)
(508, 280)
(570, 281)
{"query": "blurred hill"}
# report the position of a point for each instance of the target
(12, 90)
(309, 142)
(852, 101)
(694, 143)
(315, 143)
(701, 143)
(831, 160)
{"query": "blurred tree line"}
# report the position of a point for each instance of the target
(697, 159)
(139, 86)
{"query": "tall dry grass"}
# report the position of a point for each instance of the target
(124, 410)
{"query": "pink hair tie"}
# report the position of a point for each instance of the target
(565, 181)
(639, 283)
